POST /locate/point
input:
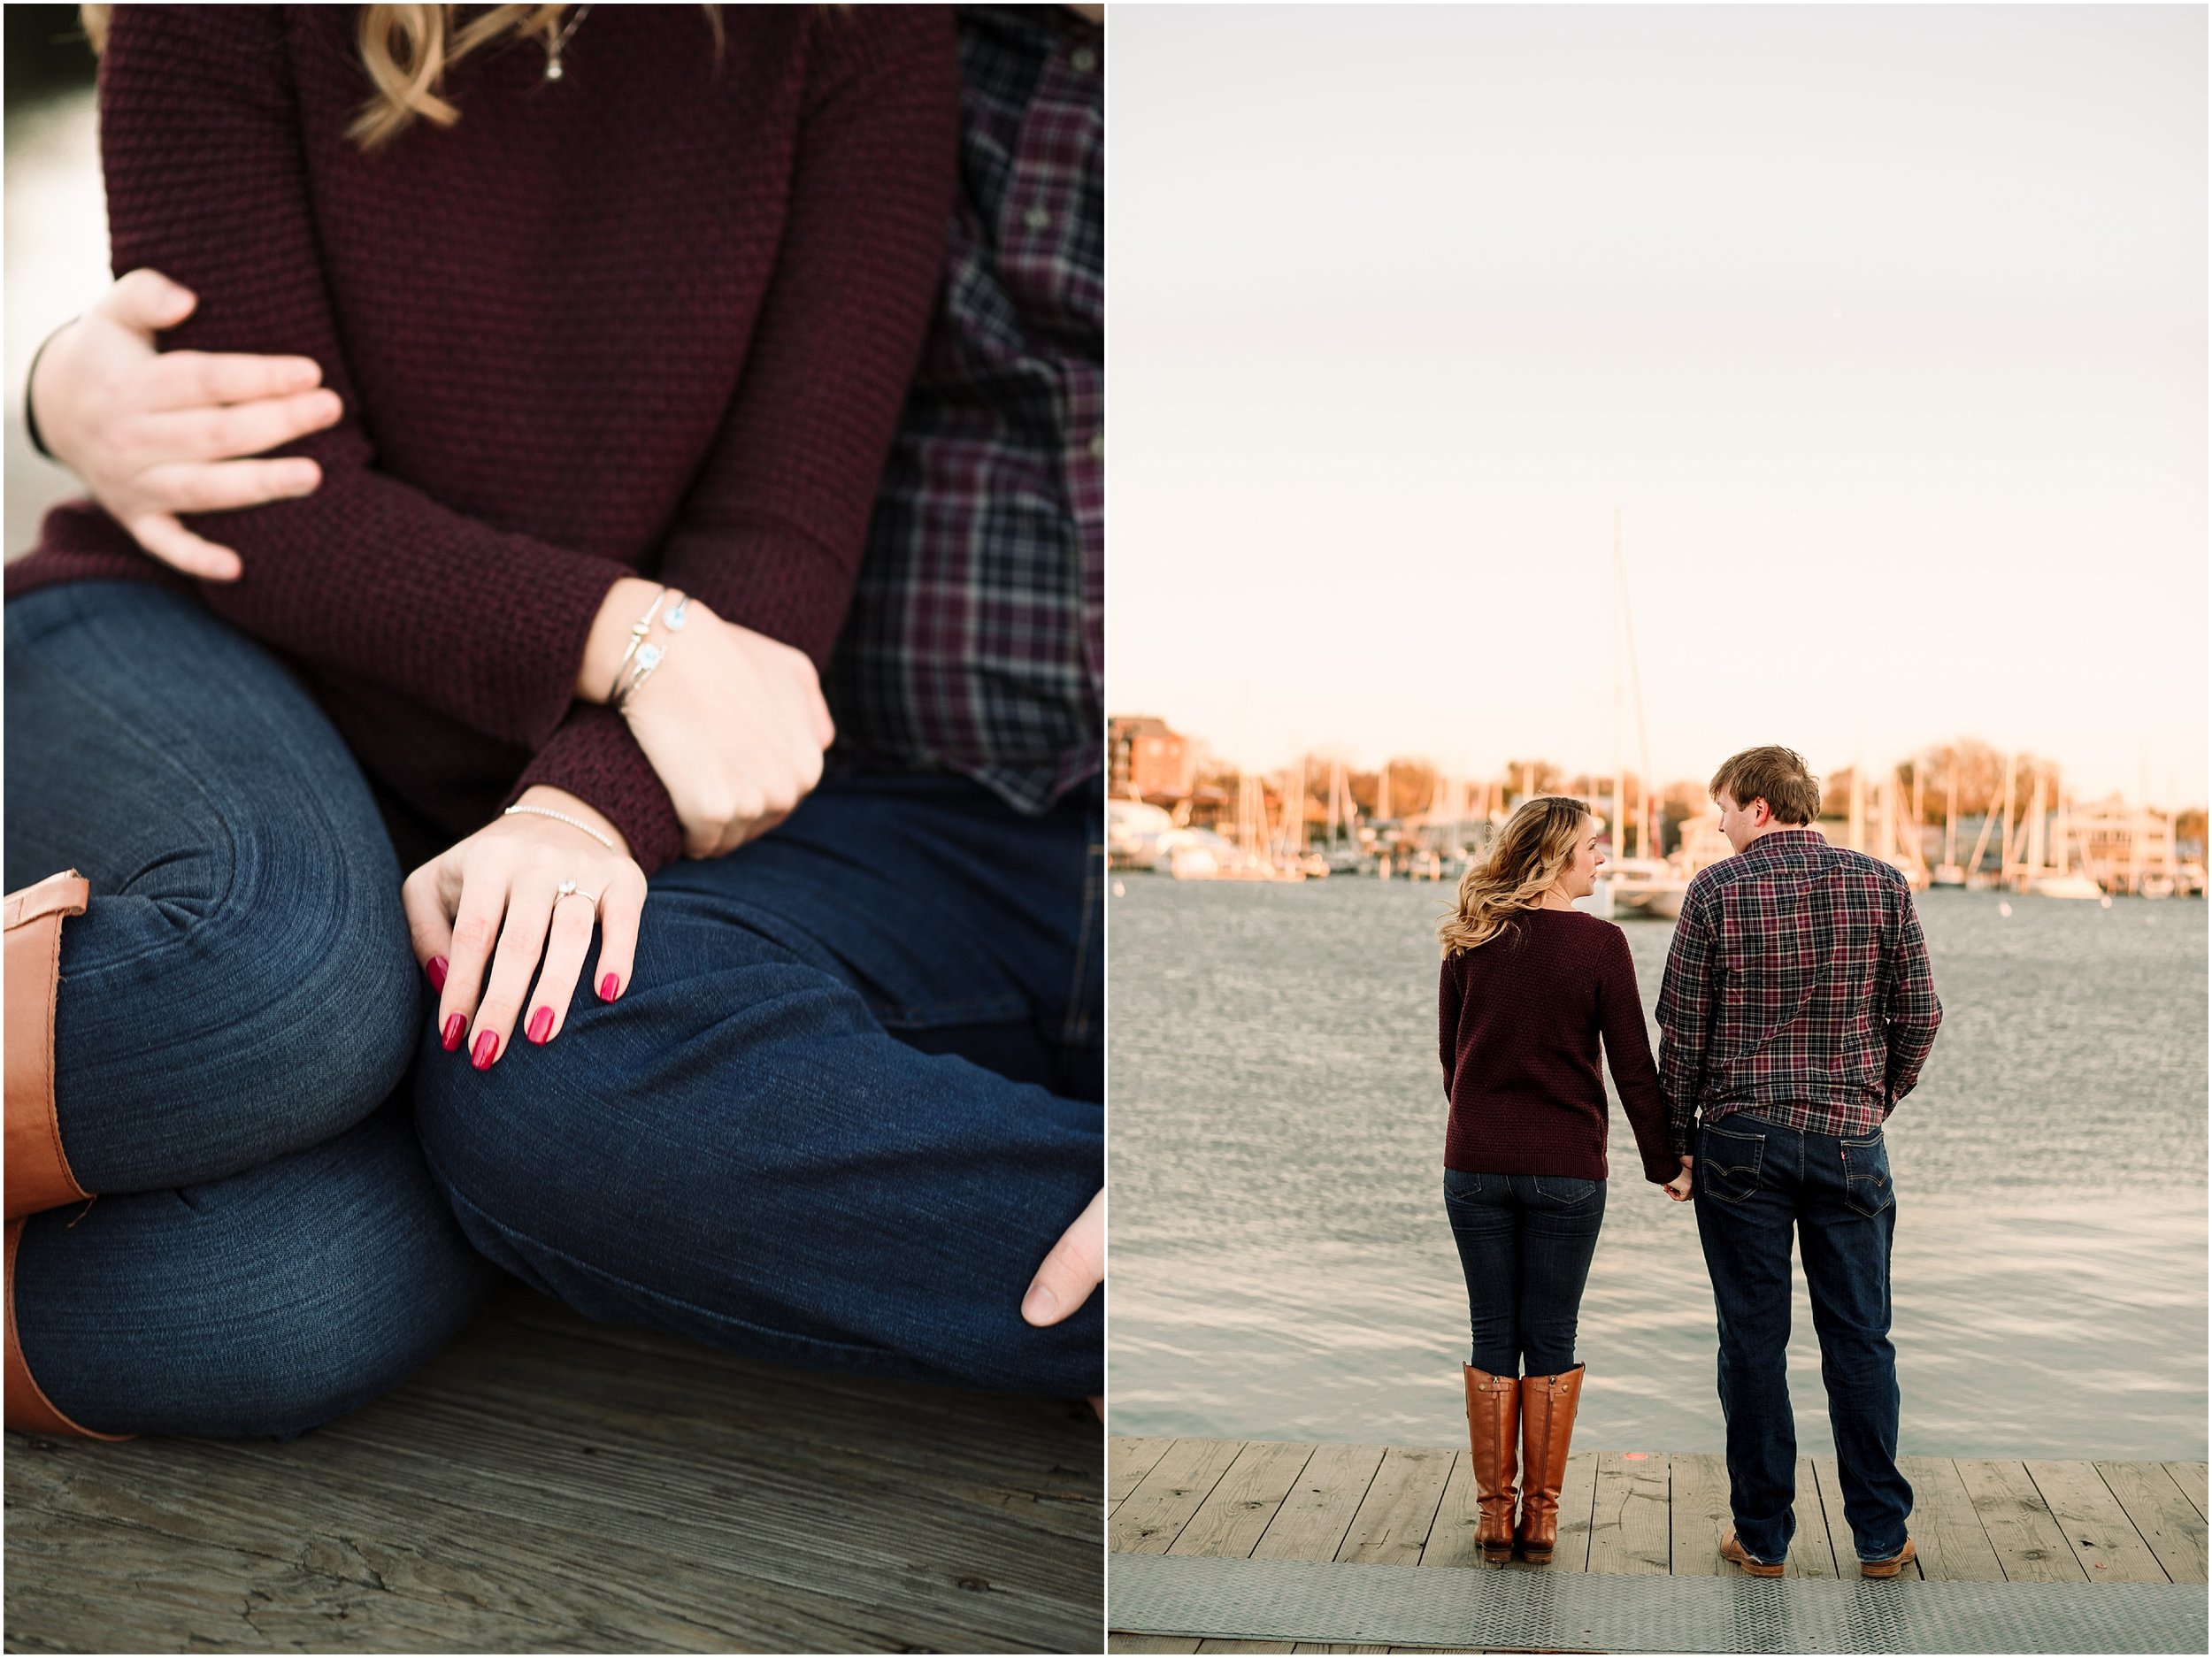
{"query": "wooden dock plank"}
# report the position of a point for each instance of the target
(1312, 1523)
(2190, 1478)
(1235, 1516)
(1129, 1460)
(1222, 1643)
(1392, 1520)
(1119, 1641)
(2168, 1522)
(1451, 1539)
(2096, 1527)
(2029, 1545)
(1323, 1646)
(1946, 1532)
(1628, 1525)
(1577, 1498)
(1841, 1538)
(545, 1484)
(1698, 1512)
(1812, 1551)
(1155, 1513)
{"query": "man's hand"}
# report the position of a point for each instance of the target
(155, 434)
(1679, 1188)
(1071, 1274)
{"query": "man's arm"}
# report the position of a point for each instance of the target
(1913, 1013)
(1686, 1019)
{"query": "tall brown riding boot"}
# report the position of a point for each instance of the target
(38, 1173)
(28, 1406)
(1494, 1404)
(1547, 1428)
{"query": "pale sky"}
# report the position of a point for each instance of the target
(1885, 327)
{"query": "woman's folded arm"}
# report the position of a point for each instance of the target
(204, 160)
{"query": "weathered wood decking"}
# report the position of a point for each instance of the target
(1629, 1512)
(549, 1484)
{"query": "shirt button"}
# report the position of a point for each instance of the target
(1036, 219)
(1098, 446)
(1084, 60)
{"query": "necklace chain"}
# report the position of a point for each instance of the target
(553, 52)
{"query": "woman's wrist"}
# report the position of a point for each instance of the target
(618, 612)
(545, 797)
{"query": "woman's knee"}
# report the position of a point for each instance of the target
(262, 1305)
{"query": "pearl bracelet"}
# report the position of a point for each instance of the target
(559, 817)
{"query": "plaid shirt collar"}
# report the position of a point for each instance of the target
(1777, 841)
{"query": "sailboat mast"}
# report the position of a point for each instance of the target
(1951, 810)
(1619, 829)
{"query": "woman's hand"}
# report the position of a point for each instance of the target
(1679, 1188)
(502, 885)
(156, 434)
(732, 722)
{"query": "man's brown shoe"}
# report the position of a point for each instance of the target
(1732, 1550)
(1891, 1567)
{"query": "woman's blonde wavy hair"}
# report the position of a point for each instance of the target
(1537, 843)
(407, 50)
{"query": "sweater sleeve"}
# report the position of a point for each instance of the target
(772, 533)
(1628, 1054)
(206, 181)
(1447, 1022)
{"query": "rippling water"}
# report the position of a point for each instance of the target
(1282, 1267)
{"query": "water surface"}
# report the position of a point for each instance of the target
(1282, 1267)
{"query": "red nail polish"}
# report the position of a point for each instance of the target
(454, 1026)
(541, 1025)
(486, 1051)
(436, 969)
(609, 987)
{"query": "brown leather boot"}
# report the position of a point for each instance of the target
(38, 1174)
(28, 1406)
(1494, 1404)
(1547, 1428)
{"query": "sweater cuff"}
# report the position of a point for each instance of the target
(594, 756)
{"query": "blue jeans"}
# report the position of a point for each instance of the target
(847, 1104)
(241, 998)
(237, 1013)
(1525, 1241)
(1756, 1181)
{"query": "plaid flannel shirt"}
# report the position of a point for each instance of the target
(976, 639)
(1797, 986)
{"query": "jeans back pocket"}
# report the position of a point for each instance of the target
(1728, 1164)
(1866, 1182)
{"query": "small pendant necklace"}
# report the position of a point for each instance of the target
(553, 52)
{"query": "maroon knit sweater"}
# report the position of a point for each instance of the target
(1519, 1021)
(656, 317)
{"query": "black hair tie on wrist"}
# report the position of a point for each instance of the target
(30, 410)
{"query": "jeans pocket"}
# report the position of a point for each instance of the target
(1563, 1191)
(1866, 1183)
(1462, 1183)
(1728, 1164)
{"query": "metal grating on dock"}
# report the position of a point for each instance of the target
(1410, 1606)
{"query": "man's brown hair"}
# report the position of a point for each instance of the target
(1773, 774)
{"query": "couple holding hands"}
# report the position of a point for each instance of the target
(685, 558)
(1797, 1010)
